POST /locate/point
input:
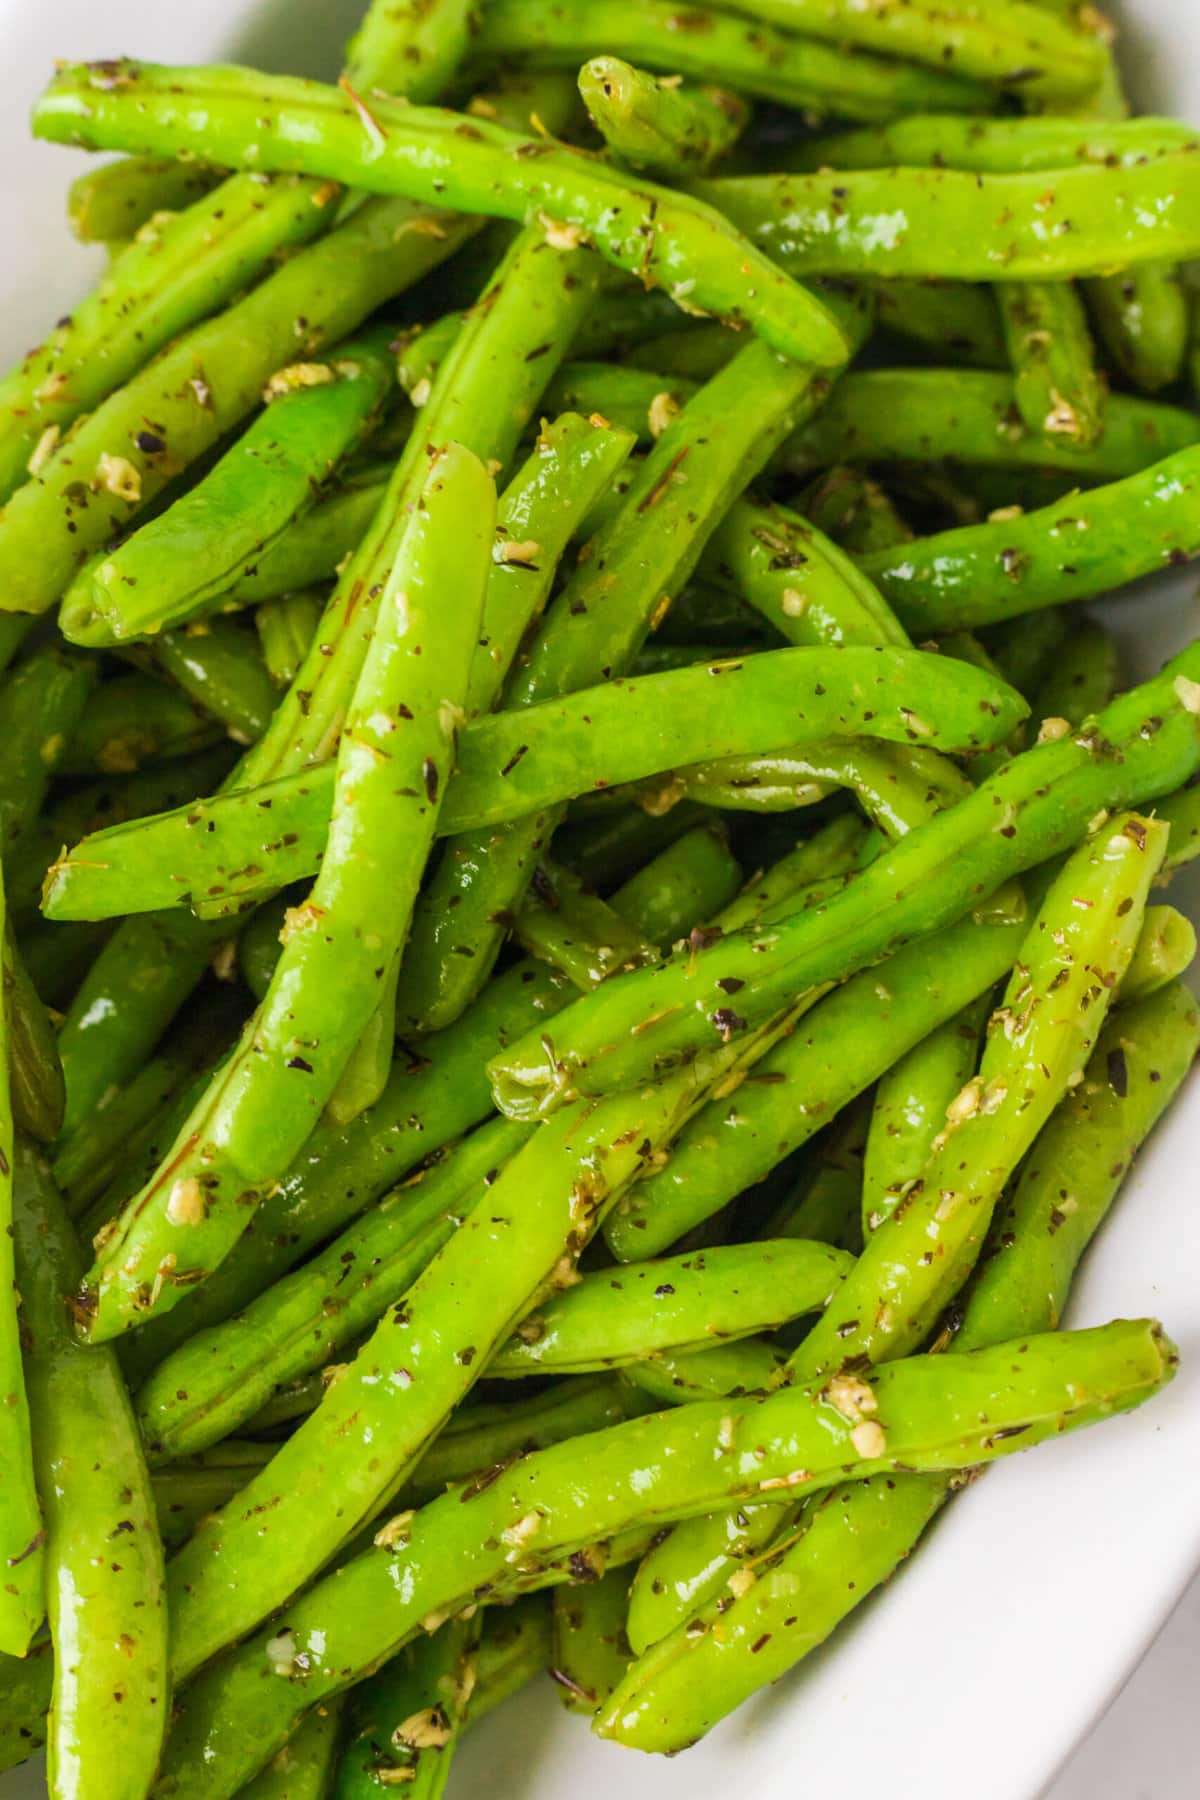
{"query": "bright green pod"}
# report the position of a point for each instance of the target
(113, 202)
(656, 124)
(219, 665)
(304, 1767)
(1082, 677)
(412, 49)
(409, 1716)
(1048, 142)
(953, 321)
(41, 705)
(591, 1652)
(1060, 390)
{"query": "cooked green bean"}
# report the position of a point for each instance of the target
(114, 201)
(591, 1652)
(1081, 678)
(236, 1714)
(411, 49)
(200, 386)
(970, 416)
(25, 1683)
(183, 563)
(176, 272)
(826, 1202)
(1033, 807)
(1060, 391)
(423, 153)
(41, 705)
(658, 124)
(406, 1720)
(966, 227)
(109, 1710)
(517, 763)
(1165, 950)
(1045, 144)
(576, 931)
(951, 320)
(748, 55)
(21, 1536)
(1142, 321)
(286, 628)
(310, 551)
(136, 721)
(304, 1767)
(218, 664)
(829, 852)
(35, 1070)
(750, 1366)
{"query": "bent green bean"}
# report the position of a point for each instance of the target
(656, 125)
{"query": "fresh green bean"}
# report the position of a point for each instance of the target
(413, 48)
(109, 1710)
(708, 46)
(1165, 950)
(638, 400)
(591, 1652)
(183, 563)
(576, 931)
(970, 416)
(116, 200)
(644, 554)
(135, 721)
(966, 227)
(423, 153)
(25, 1683)
(409, 1716)
(1084, 546)
(750, 1366)
(177, 271)
(847, 1043)
(184, 1496)
(21, 1537)
(852, 509)
(1142, 320)
(308, 554)
(672, 1305)
(516, 764)
(235, 1715)
(304, 1767)
(911, 1102)
(1059, 389)
(35, 1071)
(826, 1202)
(1145, 744)
(240, 1135)
(951, 320)
(286, 628)
(658, 124)
(1043, 144)
(41, 704)
(202, 385)
(858, 1535)
(218, 664)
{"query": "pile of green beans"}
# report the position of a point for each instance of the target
(562, 825)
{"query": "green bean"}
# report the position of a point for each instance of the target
(24, 1701)
(109, 1710)
(133, 722)
(910, 1109)
(855, 1537)
(632, 399)
(1082, 678)
(966, 227)
(41, 704)
(184, 1496)
(969, 416)
(1165, 950)
(304, 1767)
(35, 1073)
(1060, 392)
(541, 1211)
(748, 55)
(590, 1650)
(672, 1305)
(853, 510)
(409, 1716)
(851, 1039)
(750, 1366)
(693, 352)
(1143, 745)
(1044, 144)
(576, 931)
(652, 1470)
(515, 764)
(240, 1135)
(21, 1594)
(1084, 546)
(414, 48)
(182, 563)
(286, 628)
(573, 463)
(1182, 813)
(603, 850)
(364, 1074)
(830, 851)
(645, 553)
(423, 153)
(202, 385)
(177, 271)
(220, 1378)
(659, 124)
(1023, 649)
(531, 100)
(949, 319)
(115, 200)
(431, 1098)
(218, 664)
(313, 546)
(826, 1203)
(516, 1646)
(1142, 321)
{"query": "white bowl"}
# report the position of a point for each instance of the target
(979, 1669)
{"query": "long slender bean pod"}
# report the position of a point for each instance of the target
(409, 1716)
(309, 553)
(1060, 391)
(113, 202)
(826, 1201)
(136, 721)
(1048, 142)
(750, 1366)
(591, 1652)
(25, 1683)
(41, 703)
(661, 126)
(413, 48)
(1141, 318)
(517, 763)
(424, 154)
(182, 563)
(1143, 745)
(708, 46)
(236, 1714)
(855, 1537)
(304, 1768)
(1082, 677)
(286, 628)
(561, 923)
(951, 320)
(218, 664)
(35, 1071)
(177, 271)
(109, 1710)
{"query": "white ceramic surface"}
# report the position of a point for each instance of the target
(981, 1668)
